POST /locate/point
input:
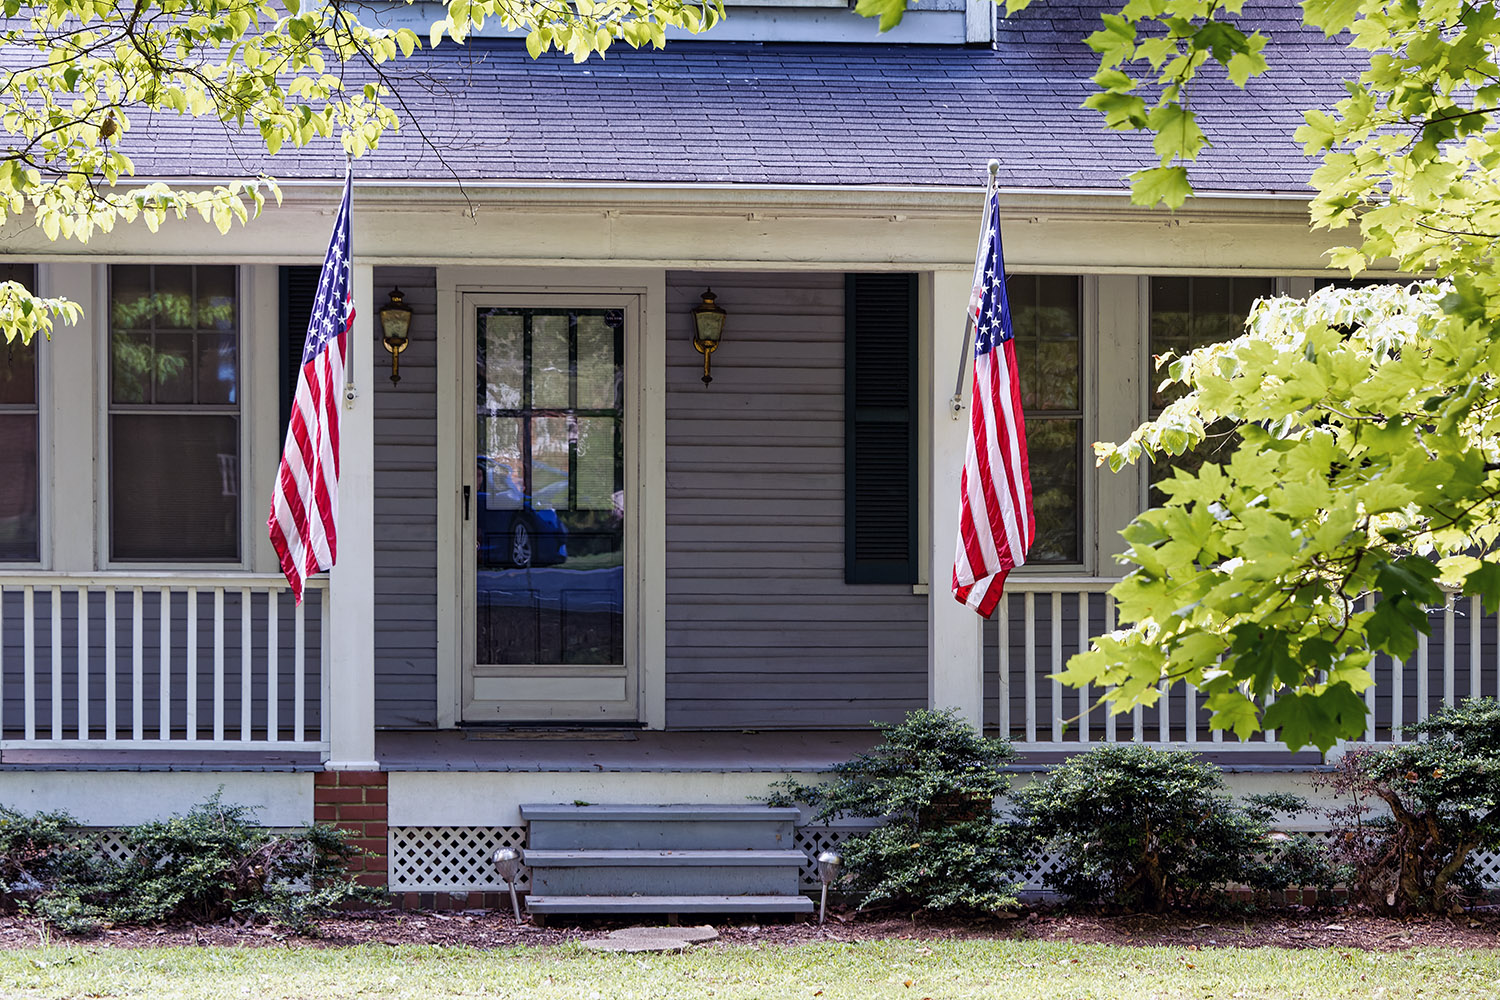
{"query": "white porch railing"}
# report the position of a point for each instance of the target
(208, 661)
(1042, 621)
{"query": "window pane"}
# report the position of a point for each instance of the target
(131, 305)
(18, 488)
(133, 365)
(174, 368)
(174, 490)
(1053, 450)
(596, 463)
(503, 361)
(549, 361)
(549, 463)
(173, 285)
(598, 366)
(501, 469)
(217, 302)
(18, 372)
(218, 367)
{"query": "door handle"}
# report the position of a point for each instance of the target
(466, 502)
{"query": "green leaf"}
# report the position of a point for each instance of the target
(1320, 719)
(1160, 186)
(890, 12)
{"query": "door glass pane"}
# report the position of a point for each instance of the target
(549, 361)
(549, 532)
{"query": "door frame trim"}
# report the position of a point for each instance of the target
(645, 460)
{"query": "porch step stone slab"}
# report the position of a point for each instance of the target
(644, 939)
(669, 904)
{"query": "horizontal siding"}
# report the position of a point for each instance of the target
(406, 512)
(762, 631)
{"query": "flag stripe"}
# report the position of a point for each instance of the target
(997, 522)
(303, 523)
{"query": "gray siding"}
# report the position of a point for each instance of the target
(406, 511)
(762, 631)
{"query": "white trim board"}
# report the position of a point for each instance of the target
(114, 798)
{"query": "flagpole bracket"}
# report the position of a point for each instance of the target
(957, 403)
(350, 395)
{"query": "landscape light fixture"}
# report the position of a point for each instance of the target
(508, 861)
(829, 864)
(395, 324)
(708, 327)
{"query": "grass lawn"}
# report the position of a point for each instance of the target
(910, 970)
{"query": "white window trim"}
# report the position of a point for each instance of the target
(247, 389)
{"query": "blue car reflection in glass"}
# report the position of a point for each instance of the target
(514, 529)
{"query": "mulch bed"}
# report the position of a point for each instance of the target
(1293, 928)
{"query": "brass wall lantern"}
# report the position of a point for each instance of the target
(395, 323)
(708, 327)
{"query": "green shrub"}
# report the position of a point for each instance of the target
(934, 781)
(1443, 793)
(38, 850)
(210, 864)
(1146, 829)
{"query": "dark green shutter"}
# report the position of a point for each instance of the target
(880, 428)
(299, 287)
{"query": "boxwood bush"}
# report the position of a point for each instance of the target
(934, 780)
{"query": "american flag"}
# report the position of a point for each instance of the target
(305, 509)
(996, 523)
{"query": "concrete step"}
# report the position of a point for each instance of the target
(714, 826)
(669, 904)
(663, 873)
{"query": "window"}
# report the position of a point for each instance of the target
(1044, 315)
(19, 500)
(1188, 313)
(174, 413)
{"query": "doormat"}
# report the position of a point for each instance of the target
(546, 734)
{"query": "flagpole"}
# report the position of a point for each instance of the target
(963, 354)
(351, 392)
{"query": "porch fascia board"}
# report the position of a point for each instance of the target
(767, 228)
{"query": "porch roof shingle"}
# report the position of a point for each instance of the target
(702, 112)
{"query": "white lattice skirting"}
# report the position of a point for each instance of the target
(457, 858)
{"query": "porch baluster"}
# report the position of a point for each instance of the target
(1030, 647)
(1083, 645)
(137, 666)
(83, 663)
(299, 680)
(1369, 605)
(1109, 626)
(164, 695)
(218, 664)
(246, 684)
(1057, 698)
(191, 719)
(1190, 713)
(273, 669)
(111, 687)
(1424, 695)
(55, 699)
(1450, 622)
(1005, 666)
(1475, 611)
(28, 658)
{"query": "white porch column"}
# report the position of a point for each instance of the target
(351, 666)
(955, 669)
